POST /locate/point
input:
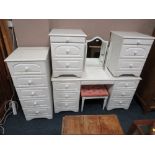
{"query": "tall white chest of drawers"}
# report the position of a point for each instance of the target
(67, 51)
(30, 71)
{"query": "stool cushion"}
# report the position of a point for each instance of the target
(93, 90)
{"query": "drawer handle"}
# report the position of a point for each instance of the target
(135, 52)
(123, 94)
(138, 42)
(131, 65)
(26, 68)
(67, 65)
(30, 82)
(67, 51)
(66, 104)
(66, 86)
(67, 40)
(37, 112)
(66, 96)
(120, 102)
(126, 84)
(33, 93)
(35, 103)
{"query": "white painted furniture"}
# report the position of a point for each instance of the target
(127, 52)
(30, 71)
(67, 51)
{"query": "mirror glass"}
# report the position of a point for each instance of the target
(94, 48)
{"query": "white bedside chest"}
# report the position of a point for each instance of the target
(30, 71)
(128, 52)
(67, 51)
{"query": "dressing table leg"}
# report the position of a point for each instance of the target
(83, 99)
(105, 102)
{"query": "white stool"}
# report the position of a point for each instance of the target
(94, 92)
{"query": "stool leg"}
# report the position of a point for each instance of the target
(105, 102)
(83, 99)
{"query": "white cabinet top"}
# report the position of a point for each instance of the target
(124, 34)
(67, 32)
(28, 54)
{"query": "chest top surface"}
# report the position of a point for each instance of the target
(67, 32)
(28, 54)
(129, 35)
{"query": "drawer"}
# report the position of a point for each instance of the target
(126, 84)
(36, 103)
(73, 86)
(119, 102)
(60, 39)
(67, 50)
(33, 92)
(32, 81)
(37, 111)
(66, 103)
(130, 65)
(20, 68)
(134, 51)
(59, 95)
(69, 108)
(30, 117)
(138, 41)
(67, 64)
(123, 93)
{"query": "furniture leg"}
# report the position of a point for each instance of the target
(83, 99)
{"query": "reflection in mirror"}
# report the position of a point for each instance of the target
(96, 51)
(93, 48)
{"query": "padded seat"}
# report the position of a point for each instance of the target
(93, 92)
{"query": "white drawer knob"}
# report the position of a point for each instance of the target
(123, 94)
(35, 103)
(37, 112)
(120, 102)
(66, 86)
(66, 96)
(67, 51)
(126, 84)
(67, 40)
(30, 82)
(138, 42)
(67, 65)
(135, 52)
(66, 104)
(33, 93)
(131, 65)
(26, 68)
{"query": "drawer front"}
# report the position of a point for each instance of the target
(36, 103)
(19, 68)
(37, 111)
(59, 39)
(123, 93)
(127, 64)
(119, 102)
(138, 41)
(32, 81)
(33, 92)
(134, 51)
(69, 108)
(59, 95)
(67, 50)
(126, 84)
(73, 86)
(66, 103)
(67, 64)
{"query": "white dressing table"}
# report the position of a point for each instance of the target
(66, 90)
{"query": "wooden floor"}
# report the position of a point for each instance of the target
(91, 125)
